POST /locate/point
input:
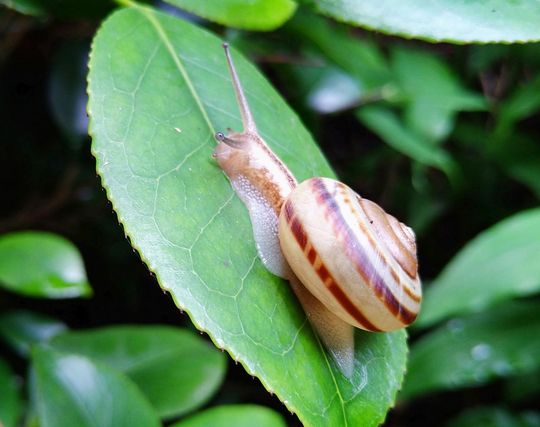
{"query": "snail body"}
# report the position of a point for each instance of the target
(350, 264)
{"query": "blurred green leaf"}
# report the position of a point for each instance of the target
(498, 264)
(495, 417)
(360, 58)
(433, 93)
(383, 122)
(61, 8)
(258, 15)
(10, 400)
(174, 368)
(21, 329)
(157, 96)
(523, 102)
(517, 153)
(468, 351)
(70, 390)
(234, 415)
(40, 264)
(488, 21)
(67, 90)
(523, 387)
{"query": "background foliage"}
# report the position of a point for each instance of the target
(444, 136)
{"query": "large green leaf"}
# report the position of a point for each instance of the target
(246, 14)
(21, 329)
(468, 351)
(159, 89)
(462, 21)
(174, 368)
(234, 415)
(40, 264)
(10, 400)
(70, 390)
(502, 262)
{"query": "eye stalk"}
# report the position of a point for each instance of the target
(220, 137)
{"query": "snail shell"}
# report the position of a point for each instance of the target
(349, 263)
(352, 256)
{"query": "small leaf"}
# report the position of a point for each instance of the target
(360, 58)
(495, 417)
(499, 342)
(524, 102)
(70, 390)
(22, 329)
(386, 124)
(262, 15)
(40, 264)
(234, 415)
(157, 96)
(67, 90)
(500, 263)
(10, 400)
(174, 368)
(433, 93)
(489, 21)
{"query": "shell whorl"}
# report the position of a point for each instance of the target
(356, 259)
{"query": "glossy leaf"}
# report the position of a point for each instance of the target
(10, 400)
(247, 14)
(157, 96)
(469, 351)
(22, 329)
(40, 264)
(387, 125)
(500, 263)
(234, 415)
(174, 368)
(71, 390)
(489, 21)
(495, 417)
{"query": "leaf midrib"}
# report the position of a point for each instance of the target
(149, 14)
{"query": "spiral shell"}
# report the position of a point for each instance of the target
(356, 259)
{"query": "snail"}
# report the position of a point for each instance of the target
(350, 264)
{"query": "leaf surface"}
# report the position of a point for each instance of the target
(159, 90)
(500, 263)
(21, 329)
(234, 415)
(40, 264)
(468, 351)
(174, 368)
(70, 390)
(458, 21)
(10, 403)
(250, 15)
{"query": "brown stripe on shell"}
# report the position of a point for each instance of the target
(326, 277)
(412, 295)
(359, 257)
